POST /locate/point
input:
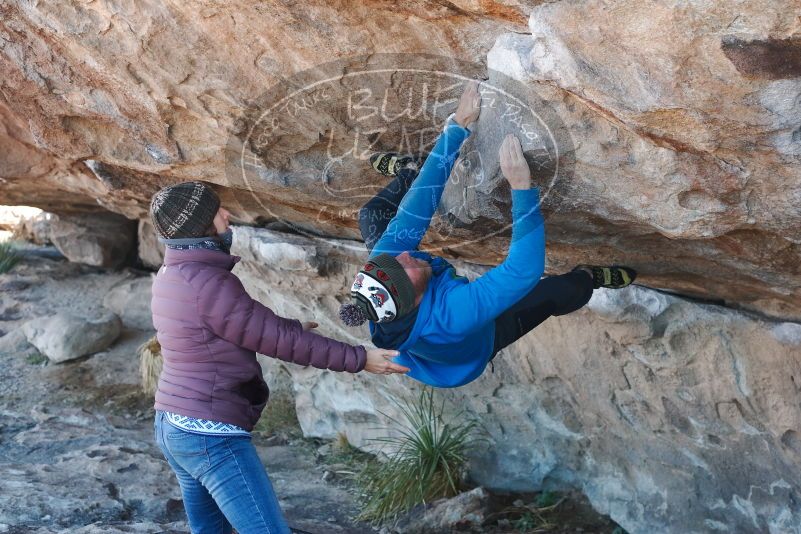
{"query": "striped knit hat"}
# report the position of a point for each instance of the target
(184, 210)
(381, 292)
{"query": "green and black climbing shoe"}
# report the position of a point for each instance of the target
(389, 163)
(612, 277)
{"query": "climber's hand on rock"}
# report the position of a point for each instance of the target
(469, 105)
(309, 325)
(378, 362)
(513, 163)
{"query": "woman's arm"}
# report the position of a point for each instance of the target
(230, 313)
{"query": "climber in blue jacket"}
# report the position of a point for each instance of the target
(447, 328)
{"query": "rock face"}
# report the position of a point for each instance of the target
(465, 512)
(664, 135)
(100, 239)
(682, 121)
(639, 400)
(63, 337)
(151, 252)
(130, 300)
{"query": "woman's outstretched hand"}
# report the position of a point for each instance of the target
(378, 362)
(309, 325)
(469, 105)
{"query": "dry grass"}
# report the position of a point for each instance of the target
(150, 365)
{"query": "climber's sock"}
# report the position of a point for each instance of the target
(389, 163)
(611, 277)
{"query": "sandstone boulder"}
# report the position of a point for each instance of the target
(63, 337)
(102, 240)
(681, 121)
(130, 301)
(678, 124)
(24, 223)
(151, 252)
(464, 512)
(15, 343)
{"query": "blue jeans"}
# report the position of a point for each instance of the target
(222, 481)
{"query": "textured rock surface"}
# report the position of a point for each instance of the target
(63, 337)
(685, 163)
(683, 119)
(151, 252)
(99, 239)
(639, 400)
(686, 144)
(465, 511)
(130, 300)
(35, 229)
(109, 478)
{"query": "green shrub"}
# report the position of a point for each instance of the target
(36, 358)
(9, 256)
(426, 462)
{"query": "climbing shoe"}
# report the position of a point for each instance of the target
(389, 163)
(612, 277)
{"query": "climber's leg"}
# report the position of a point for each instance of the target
(374, 217)
(553, 295)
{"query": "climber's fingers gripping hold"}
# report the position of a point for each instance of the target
(513, 163)
(469, 105)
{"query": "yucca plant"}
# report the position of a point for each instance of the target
(9, 256)
(150, 364)
(425, 462)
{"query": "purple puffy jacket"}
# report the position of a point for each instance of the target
(210, 329)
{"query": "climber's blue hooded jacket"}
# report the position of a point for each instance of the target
(448, 340)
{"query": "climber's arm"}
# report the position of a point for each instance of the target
(469, 306)
(407, 228)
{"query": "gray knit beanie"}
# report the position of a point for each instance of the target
(381, 292)
(184, 210)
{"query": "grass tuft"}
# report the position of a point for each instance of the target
(279, 417)
(9, 256)
(426, 462)
(150, 365)
(36, 358)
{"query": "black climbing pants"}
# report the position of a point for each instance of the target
(375, 216)
(553, 295)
